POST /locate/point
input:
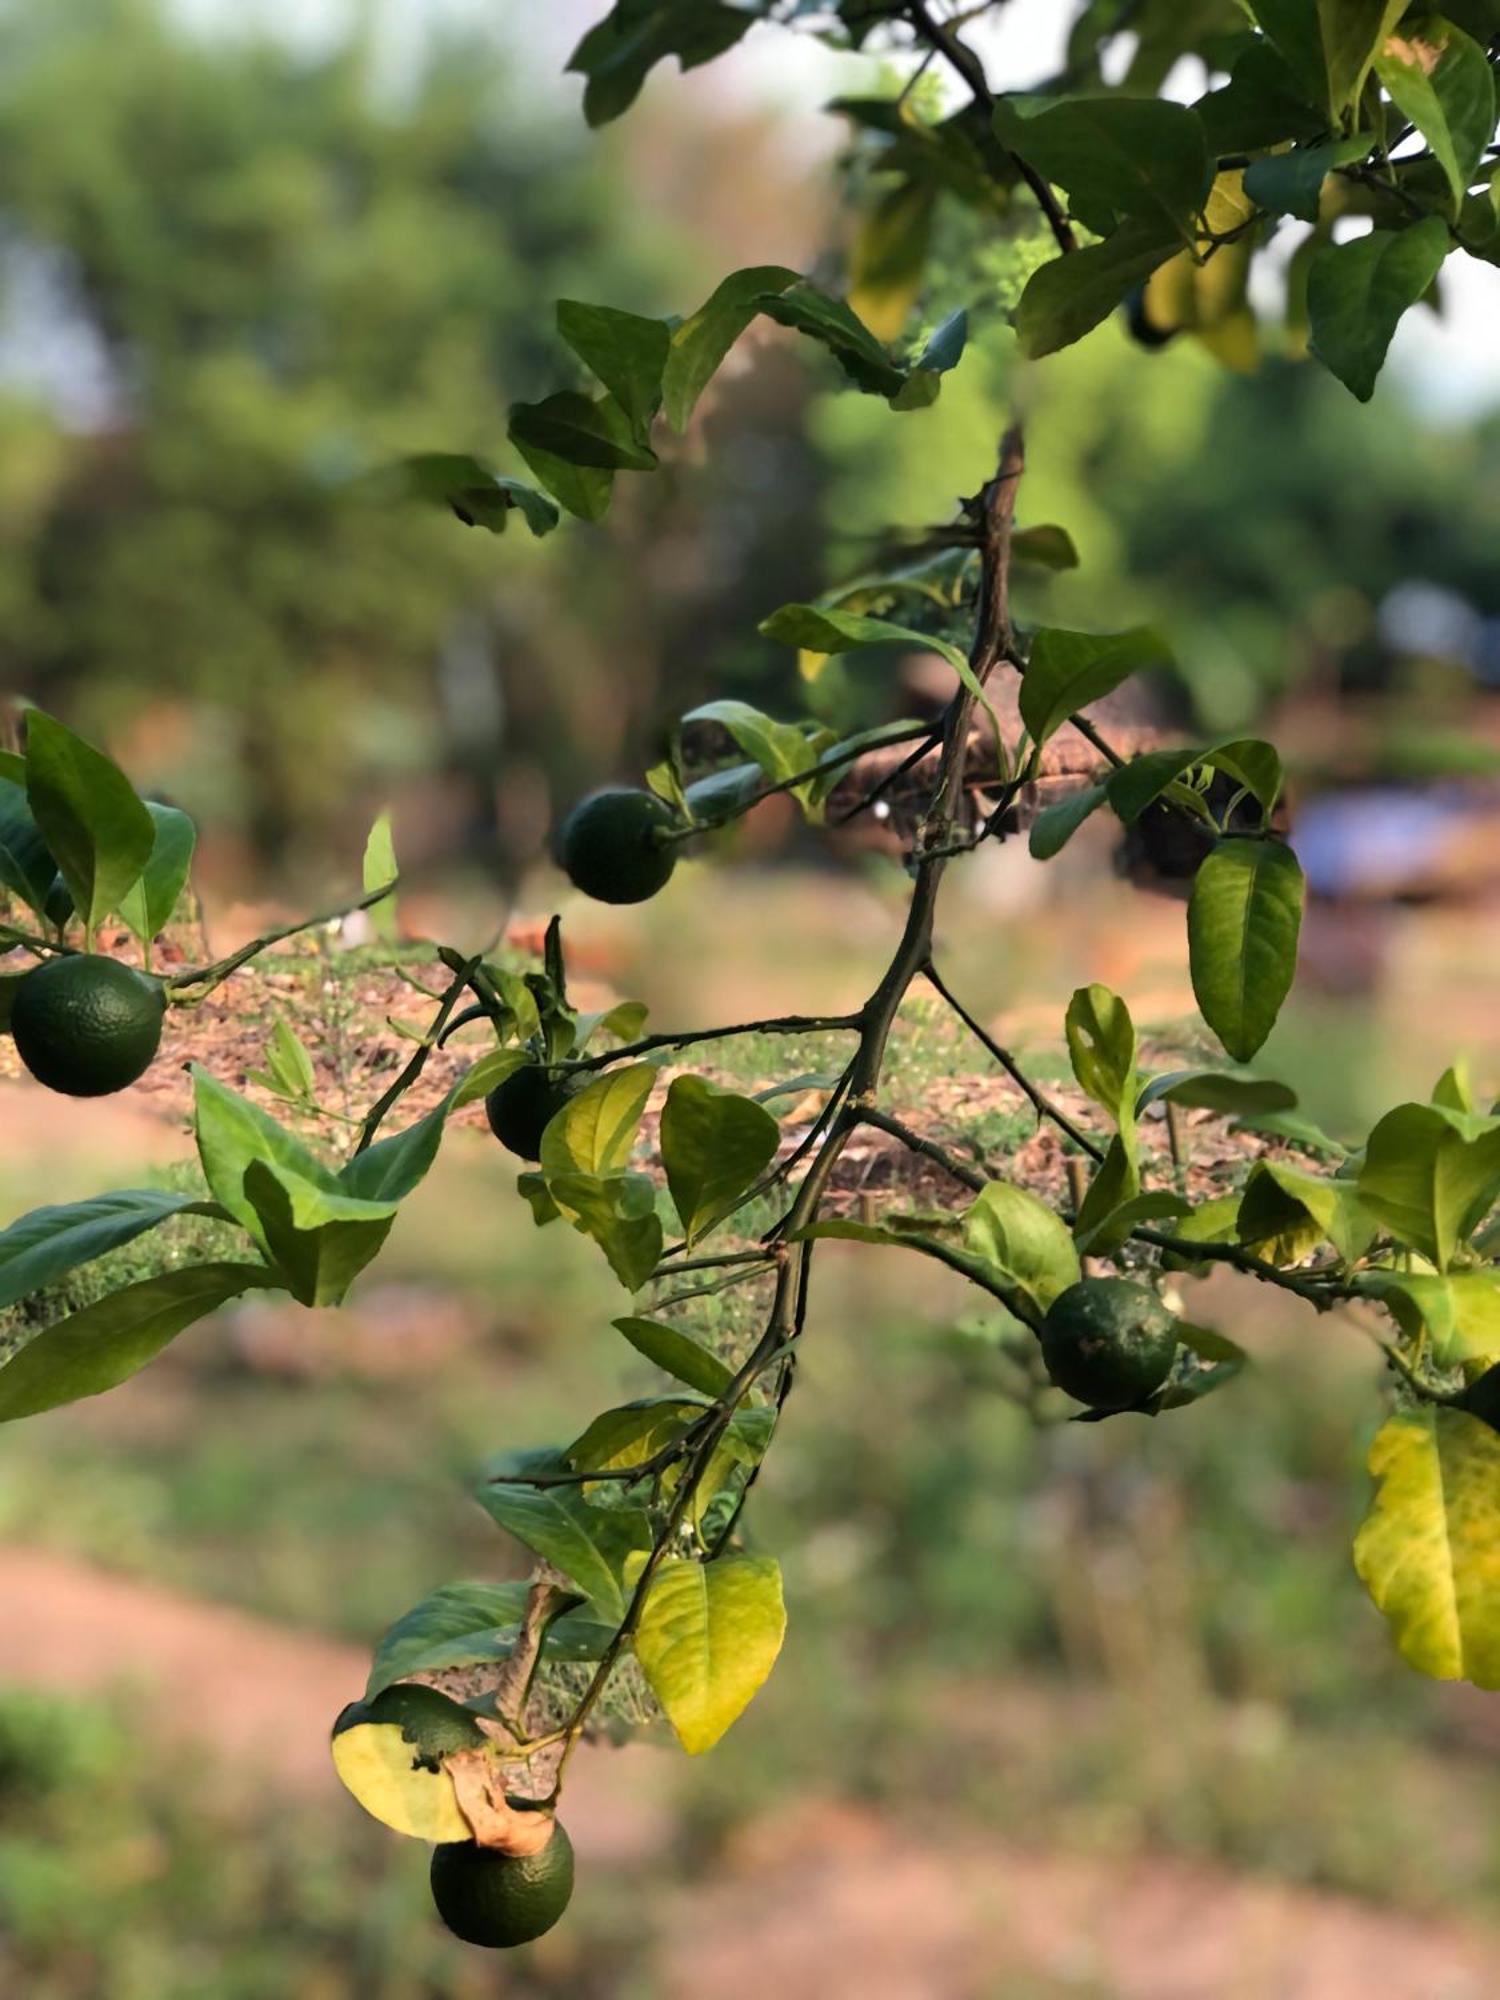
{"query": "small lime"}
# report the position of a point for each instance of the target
(499, 1900)
(520, 1109)
(1109, 1342)
(612, 848)
(87, 1025)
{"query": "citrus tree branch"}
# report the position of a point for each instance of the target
(1042, 1105)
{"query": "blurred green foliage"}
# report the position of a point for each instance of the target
(238, 274)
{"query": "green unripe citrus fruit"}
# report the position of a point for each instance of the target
(502, 1899)
(520, 1108)
(87, 1025)
(612, 848)
(1109, 1342)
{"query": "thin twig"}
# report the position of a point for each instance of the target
(1042, 1105)
(210, 976)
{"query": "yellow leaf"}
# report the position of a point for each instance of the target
(708, 1638)
(1429, 1550)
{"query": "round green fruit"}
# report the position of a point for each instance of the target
(1109, 1342)
(612, 845)
(87, 1025)
(500, 1900)
(520, 1109)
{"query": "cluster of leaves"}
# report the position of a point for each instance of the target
(77, 843)
(1320, 110)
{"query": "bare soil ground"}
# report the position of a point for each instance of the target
(817, 1903)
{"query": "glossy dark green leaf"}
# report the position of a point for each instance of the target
(1263, 104)
(40, 1247)
(27, 865)
(392, 1167)
(459, 1625)
(89, 816)
(1292, 183)
(147, 908)
(1141, 158)
(1244, 918)
(580, 430)
(1069, 297)
(626, 352)
(1357, 293)
(113, 1339)
(616, 57)
(1068, 670)
(714, 1146)
(1056, 824)
(1296, 34)
(700, 344)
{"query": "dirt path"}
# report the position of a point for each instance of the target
(819, 1903)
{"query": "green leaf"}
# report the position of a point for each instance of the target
(1430, 1175)
(627, 352)
(620, 1439)
(1022, 1241)
(467, 487)
(942, 353)
(1243, 922)
(1353, 33)
(147, 908)
(1069, 297)
(391, 1168)
(1292, 183)
(1068, 670)
(816, 628)
(1440, 79)
(714, 1145)
(619, 1212)
(708, 1637)
(483, 1075)
(459, 1625)
(1455, 1088)
(1281, 1201)
(1460, 1312)
(89, 816)
(586, 1543)
(1263, 103)
(619, 54)
(676, 1353)
(1108, 1211)
(1217, 1090)
(595, 1133)
(1047, 546)
(1055, 825)
(580, 431)
(318, 1240)
(289, 1071)
(113, 1339)
(1295, 28)
(1429, 1549)
(700, 344)
(1246, 760)
(1357, 292)
(40, 1247)
(830, 322)
(379, 872)
(778, 749)
(1141, 158)
(26, 862)
(1102, 1047)
(1205, 1361)
(232, 1132)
